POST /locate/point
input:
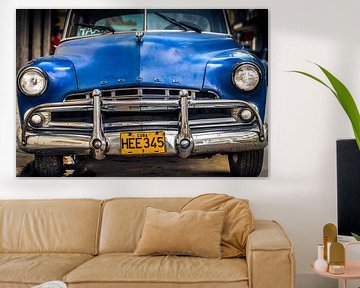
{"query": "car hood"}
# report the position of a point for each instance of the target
(155, 59)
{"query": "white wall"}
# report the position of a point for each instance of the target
(305, 122)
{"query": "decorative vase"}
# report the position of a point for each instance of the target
(320, 264)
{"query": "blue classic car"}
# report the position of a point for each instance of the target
(144, 82)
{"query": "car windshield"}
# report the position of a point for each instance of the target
(90, 22)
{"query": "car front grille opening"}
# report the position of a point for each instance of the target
(154, 92)
(205, 95)
(125, 116)
(197, 114)
(126, 92)
(78, 116)
(110, 117)
(77, 97)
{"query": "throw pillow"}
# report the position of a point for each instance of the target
(196, 233)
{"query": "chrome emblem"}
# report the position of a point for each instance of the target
(139, 35)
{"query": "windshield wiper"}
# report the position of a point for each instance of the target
(180, 24)
(99, 27)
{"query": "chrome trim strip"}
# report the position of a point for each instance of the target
(226, 18)
(138, 105)
(145, 20)
(66, 25)
(198, 123)
(66, 108)
(70, 125)
(193, 124)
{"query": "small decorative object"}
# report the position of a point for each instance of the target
(320, 264)
(336, 269)
(341, 267)
(328, 252)
(330, 236)
(337, 258)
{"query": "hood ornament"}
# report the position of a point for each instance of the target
(139, 35)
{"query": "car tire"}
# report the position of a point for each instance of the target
(247, 163)
(48, 165)
(79, 165)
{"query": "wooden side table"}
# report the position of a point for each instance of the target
(352, 268)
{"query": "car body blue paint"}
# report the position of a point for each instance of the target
(168, 56)
(203, 61)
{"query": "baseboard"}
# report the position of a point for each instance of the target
(310, 280)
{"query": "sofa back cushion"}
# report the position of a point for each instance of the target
(66, 226)
(123, 220)
(238, 224)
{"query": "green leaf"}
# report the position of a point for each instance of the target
(314, 78)
(344, 97)
(347, 102)
(356, 236)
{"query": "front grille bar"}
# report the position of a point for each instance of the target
(133, 93)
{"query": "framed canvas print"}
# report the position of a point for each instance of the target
(142, 92)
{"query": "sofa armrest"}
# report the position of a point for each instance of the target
(269, 256)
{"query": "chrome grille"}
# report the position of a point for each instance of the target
(140, 93)
(128, 109)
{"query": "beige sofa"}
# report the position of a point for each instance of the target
(89, 243)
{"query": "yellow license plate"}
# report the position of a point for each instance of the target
(137, 143)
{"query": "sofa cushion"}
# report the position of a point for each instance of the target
(36, 268)
(63, 226)
(193, 232)
(126, 268)
(123, 220)
(238, 223)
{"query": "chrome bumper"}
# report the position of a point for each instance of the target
(182, 142)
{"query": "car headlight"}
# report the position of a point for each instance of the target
(246, 77)
(32, 81)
